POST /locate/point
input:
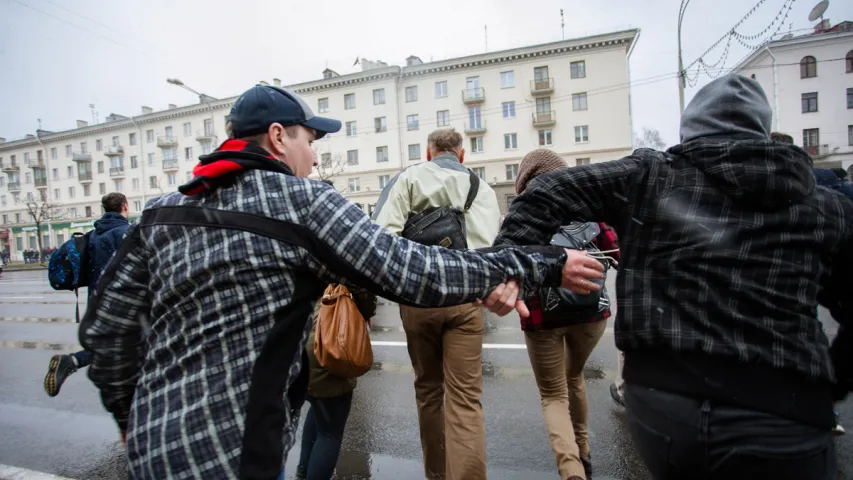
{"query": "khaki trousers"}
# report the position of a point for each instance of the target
(446, 349)
(558, 357)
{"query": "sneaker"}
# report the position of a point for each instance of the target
(60, 368)
(838, 430)
(614, 393)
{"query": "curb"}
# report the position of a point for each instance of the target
(8, 472)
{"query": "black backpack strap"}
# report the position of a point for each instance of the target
(77, 304)
(472, 192)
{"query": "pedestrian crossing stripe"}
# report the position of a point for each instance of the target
(37, 319)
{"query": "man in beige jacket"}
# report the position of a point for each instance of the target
(445, 344)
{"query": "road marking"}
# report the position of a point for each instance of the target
(37, 320)
(20, 298)
(10, 472)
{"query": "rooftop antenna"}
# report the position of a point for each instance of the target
(818, 11)
(94, 115)
(39, 123)
(486, 31)
(562, 24)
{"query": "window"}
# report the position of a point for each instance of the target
(475, 119)
(188, 153)
(508, 109)
(545, 138)
(5, 217)
(352, 157)
(53, 153)
(540, 77)
(134, 161)
(206, 148)
(188, 129)
(87, 190)
(383, 181)
(135, 184)
(118, 184)
(28, 177)
(849, 134)
(849, 59)
(149, 136)
(354, 185)
(69, 172)
(68, 150)
(412, 122)
(88, 211)
(811, 138)
(440, 89)
(84, 148)
(442, 118)
(808, 67)
(115, 139)
(168, 133)
(99, 145)
(381, 154)
(579, 101)
(507, 79)
(480, 172)
(415, 151)
(511, 172)
(581, 161)
(26, 158)
(152, 182)
(349, 101)
(137, 206)
(476, 144)
(56, 174)
(351, 129)
(510, 141)
(543, 105)
(850, 98)
(131, 138)
(151, 160)
(208, 127)
(578, 69)
(189, 176)
(379, 96)
(101, 167)
(323, 105)
(56, 194)
(102, 188)
(70, 192)
(117, 162)
(171, 178)
(18, 220)
(326, 160)
(582, 134)
(380, 124)
(412, 93)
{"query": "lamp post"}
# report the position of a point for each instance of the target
(682, 77)
(201, 97)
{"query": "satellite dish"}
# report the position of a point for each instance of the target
(818, 10)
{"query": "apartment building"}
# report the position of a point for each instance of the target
(570, 96)
(809, 83)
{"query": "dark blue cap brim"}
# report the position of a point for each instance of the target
(323, 125)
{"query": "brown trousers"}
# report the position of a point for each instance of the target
(558, 357)
(446, 348)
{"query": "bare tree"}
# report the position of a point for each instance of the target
(651, 139)
(42, 210)
(330, 168)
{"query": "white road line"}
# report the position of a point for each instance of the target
(21, 298)
(16, 473)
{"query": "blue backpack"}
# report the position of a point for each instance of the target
(70, 266)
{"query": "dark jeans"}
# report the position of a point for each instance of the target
(683, 437)
(82, 357)
(322, 436)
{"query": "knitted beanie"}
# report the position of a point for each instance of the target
(535, 163)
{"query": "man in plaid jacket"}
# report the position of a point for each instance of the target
(727, 247)
(198, 324)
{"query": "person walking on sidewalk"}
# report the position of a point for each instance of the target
(446, 344)
(103, 243)
(727, 249)
(559, 344)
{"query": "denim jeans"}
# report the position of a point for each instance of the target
(685, 437)
(322, 436)
(83, 358)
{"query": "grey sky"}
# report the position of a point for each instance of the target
(53, 70)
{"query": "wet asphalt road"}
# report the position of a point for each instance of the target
(72, 436)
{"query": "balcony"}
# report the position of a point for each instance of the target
(473, 96)
(205, 136)
(818, 151)
(167, 141)
(41, 182)
(84, 176)
(81, 157)
(12, 167)
(475, 127)
(545, 119)
(117, 171)
(114, 151)
(543, 86)
(14, 186)
(170, 164)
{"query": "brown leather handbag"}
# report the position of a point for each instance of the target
(342, 340)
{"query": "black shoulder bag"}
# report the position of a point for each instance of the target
(443, 226)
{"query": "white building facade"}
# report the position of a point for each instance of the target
(570, 96)
(809, 82)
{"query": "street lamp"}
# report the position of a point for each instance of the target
(682, 77)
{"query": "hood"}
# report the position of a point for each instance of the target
(733, 107)
(109, 221)
(768, 175)
(229, 160)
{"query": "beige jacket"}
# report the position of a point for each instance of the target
(441, 182)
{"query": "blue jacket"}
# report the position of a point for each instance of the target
(827, 178)
(103, 243)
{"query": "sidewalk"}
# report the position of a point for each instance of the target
(23, 267)
(8, 472)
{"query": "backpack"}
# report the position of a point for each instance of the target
(566, 304)
(442, 226)
(70, 266)
(341, 340)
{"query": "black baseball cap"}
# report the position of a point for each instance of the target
(262, 105)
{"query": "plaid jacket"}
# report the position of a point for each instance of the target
(727, 248)
(198, 326)
(605, 241)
